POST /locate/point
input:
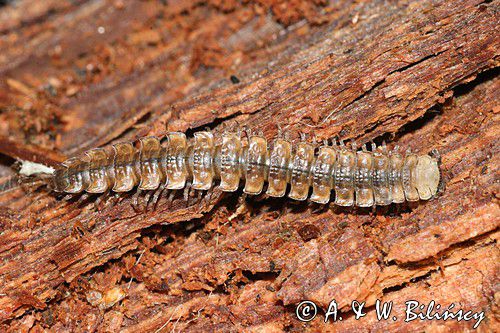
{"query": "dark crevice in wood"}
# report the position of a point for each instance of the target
(4, 3)
(485, 76)
(437, 109)
(224, 122)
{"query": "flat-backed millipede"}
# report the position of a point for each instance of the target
(357, 177)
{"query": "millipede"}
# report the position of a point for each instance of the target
(366, 177)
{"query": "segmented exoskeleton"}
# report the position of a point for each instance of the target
(357, 177)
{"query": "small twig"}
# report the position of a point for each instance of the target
(169, 319)
(175, 324)
(197, 313)
(136, 263)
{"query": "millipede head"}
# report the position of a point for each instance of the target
(59, 182)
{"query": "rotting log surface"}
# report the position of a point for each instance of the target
(81, 74)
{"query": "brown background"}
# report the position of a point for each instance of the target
(80, 74)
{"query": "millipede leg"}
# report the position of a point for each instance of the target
(101, 200)
(82, 198)
(317, 208)
(280, 131)
(384, 147)
(437, 155)
(157, 195)
(170, 198)
(146, 199)
(198, 196)
(241, 208)
(187, 188)
(135, 200)
(97, 202)
(286, 135)
(191, 196)
(67, 197)
(238, 129)
(116, 198)
(242, 200)
(246, 131)
(315, 139)
(208, 196)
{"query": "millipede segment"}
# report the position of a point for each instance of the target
(354, 177)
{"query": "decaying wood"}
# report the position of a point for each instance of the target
(84, 74)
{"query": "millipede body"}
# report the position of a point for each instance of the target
(357, 177)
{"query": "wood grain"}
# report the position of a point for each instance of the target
(81, 74)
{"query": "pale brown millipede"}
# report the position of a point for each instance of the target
(364, 178)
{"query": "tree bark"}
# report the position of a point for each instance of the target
(83, 74)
